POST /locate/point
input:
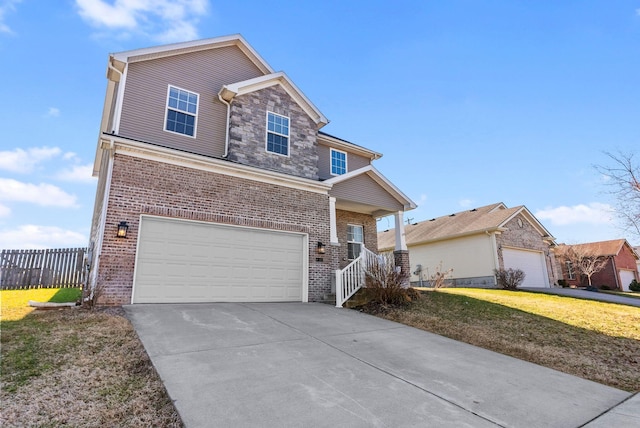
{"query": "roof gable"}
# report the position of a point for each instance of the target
(228, 92)
(405, 203)
(119, 59)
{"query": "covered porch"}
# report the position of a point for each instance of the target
(356, 201)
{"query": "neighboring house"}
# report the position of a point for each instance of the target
(213, 167)
(476, 242)
(621, 267)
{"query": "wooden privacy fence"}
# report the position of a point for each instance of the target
(51, 268)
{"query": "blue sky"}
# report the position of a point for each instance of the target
(470, 102)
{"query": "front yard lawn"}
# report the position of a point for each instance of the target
(594, 340)
(75, 367)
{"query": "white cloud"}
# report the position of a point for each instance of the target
(42, 194)
(5, 7)
(31, 236)
(77, 173)
(165, 20)
(5, 211)
(24, 161)
(53, 112)
(593, 213)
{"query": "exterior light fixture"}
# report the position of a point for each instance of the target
(320, 248)
(122, 229)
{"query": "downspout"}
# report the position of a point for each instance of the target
(226, 133)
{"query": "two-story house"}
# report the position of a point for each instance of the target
(216, 183)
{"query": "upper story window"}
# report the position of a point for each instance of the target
(338, 162)
(355, 239)
(182, 111)
(277, 134)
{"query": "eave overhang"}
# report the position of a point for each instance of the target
(149, 151)
(338, 143)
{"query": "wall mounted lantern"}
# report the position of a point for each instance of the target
(321, 248)
(123, 227)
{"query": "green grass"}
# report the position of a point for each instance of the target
(75, 367)
(14, 304)
(594, 340)
(606, 318)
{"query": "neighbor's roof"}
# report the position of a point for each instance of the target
(478, 220)
(603, 248)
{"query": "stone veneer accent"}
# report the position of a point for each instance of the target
(528, 238)
(141, 186)
(343, 218)
(248, 133)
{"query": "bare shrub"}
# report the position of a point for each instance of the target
(439, 278)
(385, 281)
(509, 279)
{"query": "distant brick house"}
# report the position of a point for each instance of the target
(621, 265)
(224, 186)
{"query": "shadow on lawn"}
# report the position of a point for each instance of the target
(608, 359)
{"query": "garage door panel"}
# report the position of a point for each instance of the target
(185, 261)
(532, 263)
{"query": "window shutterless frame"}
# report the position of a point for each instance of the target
(338, 162)
(277, 138)
(355, 239)
(181, 111)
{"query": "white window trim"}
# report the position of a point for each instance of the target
(266, 135)
(346, 161)
(166, 112)
(354, 242)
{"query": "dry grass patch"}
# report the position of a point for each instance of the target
(79, 368)
(594, 340)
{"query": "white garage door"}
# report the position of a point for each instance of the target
(626, 276)
(187, 261)
(530, 262)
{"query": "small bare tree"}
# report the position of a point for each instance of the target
(439, 278)
(585, 259)
(623, 183)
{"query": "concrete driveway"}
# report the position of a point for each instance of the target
(590, 295)
(312, 365)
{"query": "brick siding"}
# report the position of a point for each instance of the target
(141, 186)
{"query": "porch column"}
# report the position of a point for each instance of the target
(401, 243)
(333, 229)
(401, 253)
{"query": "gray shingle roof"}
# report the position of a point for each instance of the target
(477, 220)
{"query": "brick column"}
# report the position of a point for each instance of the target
(401, 258)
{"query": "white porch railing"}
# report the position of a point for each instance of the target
(351, 278)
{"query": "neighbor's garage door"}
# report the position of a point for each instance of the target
(530, 262)
(188, 261)
(626, 276)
